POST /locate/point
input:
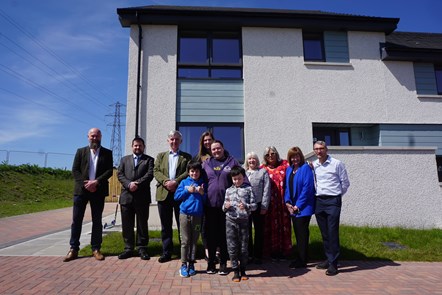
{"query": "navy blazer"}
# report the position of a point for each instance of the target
(80, 170)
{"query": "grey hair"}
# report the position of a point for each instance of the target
(251, 155)
(173, 133)
(320, 142)
(266, 151)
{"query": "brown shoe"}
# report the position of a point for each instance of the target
(97, 254)
(72, 254)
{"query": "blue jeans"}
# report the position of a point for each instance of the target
(97, 206)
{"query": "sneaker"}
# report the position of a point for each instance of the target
(331, 270)
(191, 269)
(323, 265)
(183, 271)
(211, 268)
(223, 269)
(236, 277)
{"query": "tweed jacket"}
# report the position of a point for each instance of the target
(161, 172)
(80, 170)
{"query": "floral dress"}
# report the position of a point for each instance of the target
(277, 224)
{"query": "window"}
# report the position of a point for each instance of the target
(439, 167)
(231, 135)
(313, 47)
(332, 136)
(215, 55)
(327, 46)
(438, 72)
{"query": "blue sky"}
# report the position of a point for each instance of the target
(64, 63)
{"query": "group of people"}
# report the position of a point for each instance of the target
(212, 195)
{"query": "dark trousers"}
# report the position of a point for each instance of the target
(237, 234)
(129, 214)
(328, 213)
(216, 233)
(166, 209)
(302, 234)
(97, 205)
(256, 241)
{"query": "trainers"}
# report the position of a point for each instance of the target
(236, 277)
(323, 265)
(191, 269)
(183, 271)
(331, 270)
(223, 269)
(211, 268)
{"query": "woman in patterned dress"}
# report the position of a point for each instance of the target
(277, 227)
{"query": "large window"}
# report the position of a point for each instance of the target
(332, 136)
(214, 55)
(231, 135)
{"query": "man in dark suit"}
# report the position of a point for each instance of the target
(169, 171)
(135, 174)
(92, 168)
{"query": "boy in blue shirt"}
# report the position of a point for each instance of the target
(192, 194)
(238, 205)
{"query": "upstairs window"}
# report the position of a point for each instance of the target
(428, 78)
(327, 46)
(313, 47)
(213, 55)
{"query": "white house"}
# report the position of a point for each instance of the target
(260, 77)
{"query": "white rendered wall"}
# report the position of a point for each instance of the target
(158, 91)
(387, 190)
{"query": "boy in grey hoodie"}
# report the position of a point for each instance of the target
(238, 204)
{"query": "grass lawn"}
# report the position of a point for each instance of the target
(357, 243)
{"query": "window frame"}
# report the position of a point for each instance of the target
(438, 69)
(210, 65)
(314, 36)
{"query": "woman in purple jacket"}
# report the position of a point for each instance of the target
(217, 168)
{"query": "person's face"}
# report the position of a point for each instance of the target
(138, 147)
(217, 150)
(271, 157)
(207, 141)
(320, 151)
(94, 137)
(252, 163)
(194, 174)
(295, 160)
(174, 143)
(238, 180)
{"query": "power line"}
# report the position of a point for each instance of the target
(50, 52)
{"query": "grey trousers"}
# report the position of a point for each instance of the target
(190, 229)
(237, 234)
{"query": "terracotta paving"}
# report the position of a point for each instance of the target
(49, 275)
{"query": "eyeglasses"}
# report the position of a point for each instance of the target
(270, 154)
(319, 149)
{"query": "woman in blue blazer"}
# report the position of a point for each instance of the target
(300, 201)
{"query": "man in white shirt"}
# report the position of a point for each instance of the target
(331, 184)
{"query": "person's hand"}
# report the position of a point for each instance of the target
(91, 185)
(171, 185)
(191, 188)
(242, 206)
(290, 208)
(133, 186)
(200, 189)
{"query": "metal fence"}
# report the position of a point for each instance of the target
(41, 159)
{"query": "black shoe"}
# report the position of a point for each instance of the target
(211, 268)
(297, 264)
(236, 277)
(125, 255)
(244, 276)
(143, 254)
(223, 269)
(331, 270)
(323, 265)
(164, 258)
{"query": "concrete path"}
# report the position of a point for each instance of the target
(32, 247)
